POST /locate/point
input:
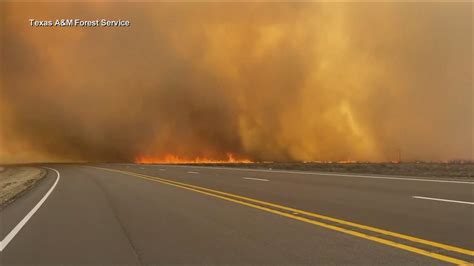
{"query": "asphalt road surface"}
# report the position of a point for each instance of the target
(157, 214)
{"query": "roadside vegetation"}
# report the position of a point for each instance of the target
(15, 180)
(459, 170)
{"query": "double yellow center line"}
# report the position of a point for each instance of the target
(343, 226)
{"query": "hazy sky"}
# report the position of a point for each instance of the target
(265, 81)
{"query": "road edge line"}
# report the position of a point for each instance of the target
(443, 200)
(301, 172)
(324, 225)
(319, 216)
(9, 237)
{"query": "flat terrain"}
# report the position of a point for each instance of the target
(422, 169)
(164, 214)
(16, 180)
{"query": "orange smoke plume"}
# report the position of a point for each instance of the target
(268, 81)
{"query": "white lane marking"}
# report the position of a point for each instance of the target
(19, 226)
(331, 174)
(191, 172)
(446, 200)
(256, 179)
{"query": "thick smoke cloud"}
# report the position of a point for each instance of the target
(265, 81)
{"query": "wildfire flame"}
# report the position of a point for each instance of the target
(342, 161)
(174, 159)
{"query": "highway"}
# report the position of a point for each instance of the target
(129, 214)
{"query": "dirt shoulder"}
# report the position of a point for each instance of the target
(14, 181)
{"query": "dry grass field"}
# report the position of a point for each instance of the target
(421, 169)
(16, 180)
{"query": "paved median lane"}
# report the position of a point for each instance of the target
(423, 247)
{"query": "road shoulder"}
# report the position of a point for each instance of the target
(16, 181)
